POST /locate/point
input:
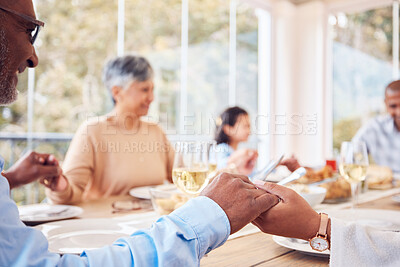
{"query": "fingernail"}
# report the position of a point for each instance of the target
(51, 158)
(258, 182)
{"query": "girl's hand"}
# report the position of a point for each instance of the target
(244, 160)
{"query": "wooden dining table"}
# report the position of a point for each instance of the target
(260, 250)
(256, 249)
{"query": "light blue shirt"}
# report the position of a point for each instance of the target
(383, 141)
(179, 239)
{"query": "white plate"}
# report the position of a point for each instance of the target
(144, 193)
(299, 245)
(75, 236)
(381, 219)
(47, 213)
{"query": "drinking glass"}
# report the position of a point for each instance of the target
(353, 165)
(212, 159)
(190, 172)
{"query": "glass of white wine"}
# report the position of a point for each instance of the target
(353, 165)
(190, 172)
(212, 159)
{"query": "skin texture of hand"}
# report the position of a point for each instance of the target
(292, 217)
(239, 198)
(55, 183)
(32, 166)
(244, 160)
(291, 163)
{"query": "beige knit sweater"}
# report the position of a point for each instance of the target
(104, 159)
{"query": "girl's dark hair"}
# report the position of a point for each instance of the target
(228, 117)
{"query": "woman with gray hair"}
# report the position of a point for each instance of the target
(111, 154)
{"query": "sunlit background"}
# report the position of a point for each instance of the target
(323, 64)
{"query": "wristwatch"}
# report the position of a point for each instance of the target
(320, 241)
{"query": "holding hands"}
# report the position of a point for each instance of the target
(292, 217)
(239, 198)
(274, 209)
(35, 166)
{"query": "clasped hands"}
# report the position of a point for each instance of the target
(272, 208)
(36, 166)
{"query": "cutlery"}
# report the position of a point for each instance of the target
(294, 176)
(56, 213)
(262, 174)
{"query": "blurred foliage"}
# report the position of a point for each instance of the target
(362, 55)
(80, 35)
(370, 31)
(344, 130)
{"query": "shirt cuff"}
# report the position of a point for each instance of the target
(208, 220)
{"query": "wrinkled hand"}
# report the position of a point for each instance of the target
(291, 163)
(244, 160)
(239, 198)
(30, 167)
(56, 183)
(292, 217)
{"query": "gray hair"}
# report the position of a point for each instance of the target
(121, 71)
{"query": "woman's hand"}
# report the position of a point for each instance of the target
(56, 183)
(292, 217)
(31, 167)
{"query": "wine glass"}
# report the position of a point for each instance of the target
(212, 159)
(353, 165)
(190, 172)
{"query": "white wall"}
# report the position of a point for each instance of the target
(301, 76)
(298, 81)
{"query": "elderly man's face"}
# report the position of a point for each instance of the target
(16, 50)
(392, 101)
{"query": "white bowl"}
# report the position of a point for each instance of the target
(315, 195)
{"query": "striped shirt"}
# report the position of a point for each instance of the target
(383, 141)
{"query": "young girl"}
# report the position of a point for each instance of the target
(233, 127)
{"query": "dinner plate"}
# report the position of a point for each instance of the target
(75, 236)
(144, 193)
(381, 219)
(299, 245)
(46, 213)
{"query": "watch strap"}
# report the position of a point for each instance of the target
(323, 225)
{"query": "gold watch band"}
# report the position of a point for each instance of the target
(323, 225)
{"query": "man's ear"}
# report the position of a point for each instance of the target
(115, 91)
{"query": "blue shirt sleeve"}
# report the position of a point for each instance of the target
(181, 238)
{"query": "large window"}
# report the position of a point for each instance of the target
(204, 53)
(362, 44)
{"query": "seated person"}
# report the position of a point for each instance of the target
(186, 235)
(109, 155)
(382, 134)
(233, 127)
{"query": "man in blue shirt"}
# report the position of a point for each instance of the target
(382, 134)
(179, 239)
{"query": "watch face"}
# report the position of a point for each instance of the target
(319, 243)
